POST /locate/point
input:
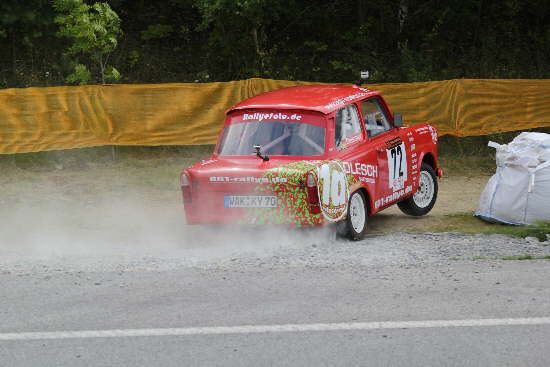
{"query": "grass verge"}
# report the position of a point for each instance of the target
(526, 257)
(467, 223)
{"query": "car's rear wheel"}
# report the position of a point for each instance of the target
(355, 225)
(423, 200)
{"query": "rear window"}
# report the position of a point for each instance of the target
(279, 134)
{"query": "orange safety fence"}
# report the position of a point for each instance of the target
(38, 119)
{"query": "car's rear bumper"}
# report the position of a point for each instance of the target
(219, 215)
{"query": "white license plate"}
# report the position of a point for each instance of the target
(249, 201)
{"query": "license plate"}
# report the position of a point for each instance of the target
(249, 201)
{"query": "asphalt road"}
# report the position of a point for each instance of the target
(232, 312)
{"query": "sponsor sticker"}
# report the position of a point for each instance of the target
(422, 130)
(367, 180)
(393, 143)
(248, 179)
(333, 190)
(351, 97)
(278, 116)
(428, 130)
(208, 161)
(350, 140)
(360, 169)
(393, 197)
(433, 131)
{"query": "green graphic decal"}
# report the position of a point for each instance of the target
(293, 201)
(293, 205)
(333, 190)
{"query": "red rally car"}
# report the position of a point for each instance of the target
(313, 155)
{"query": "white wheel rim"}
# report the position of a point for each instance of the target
(423, 197)
(357, 213)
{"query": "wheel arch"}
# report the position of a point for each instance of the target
(429, 158)
(367, 198)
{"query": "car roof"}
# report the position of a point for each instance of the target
(321, 98)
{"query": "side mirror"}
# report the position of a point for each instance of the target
(397, 120)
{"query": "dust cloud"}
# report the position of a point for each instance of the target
(129, 226)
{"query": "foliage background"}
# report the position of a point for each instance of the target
(315, 40)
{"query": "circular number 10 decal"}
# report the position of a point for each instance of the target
(333, 190)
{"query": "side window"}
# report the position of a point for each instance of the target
(375, 120)
(348, 126)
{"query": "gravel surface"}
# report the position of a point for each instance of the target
(308, 248)
(79, 221)
(237, 278)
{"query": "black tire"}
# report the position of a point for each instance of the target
(424, 199)
(355, 225)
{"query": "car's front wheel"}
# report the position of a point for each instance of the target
(355, 225)
(423, 200)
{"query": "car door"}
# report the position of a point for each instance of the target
(391, 153)
(351, 145)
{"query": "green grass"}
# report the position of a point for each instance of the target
(104, 156)
(470, 155)
(526, 257)
(467, 166)
(90, 173)
(467, 223)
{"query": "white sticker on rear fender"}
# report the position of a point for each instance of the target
(333, 190)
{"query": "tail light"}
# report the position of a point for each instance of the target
(312, 194)
(185, 184)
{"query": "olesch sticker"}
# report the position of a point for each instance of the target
(333, 190)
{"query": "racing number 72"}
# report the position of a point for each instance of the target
(397, 166)
(396, 151)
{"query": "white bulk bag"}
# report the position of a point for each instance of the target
(519, 192)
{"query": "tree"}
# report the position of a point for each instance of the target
(93, 30)
(238, 33)
(26, 31)
(315, 40)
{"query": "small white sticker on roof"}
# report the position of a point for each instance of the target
(342, 101)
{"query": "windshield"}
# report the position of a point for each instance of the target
(275, 138)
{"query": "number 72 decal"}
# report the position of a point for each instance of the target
(397, 166)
